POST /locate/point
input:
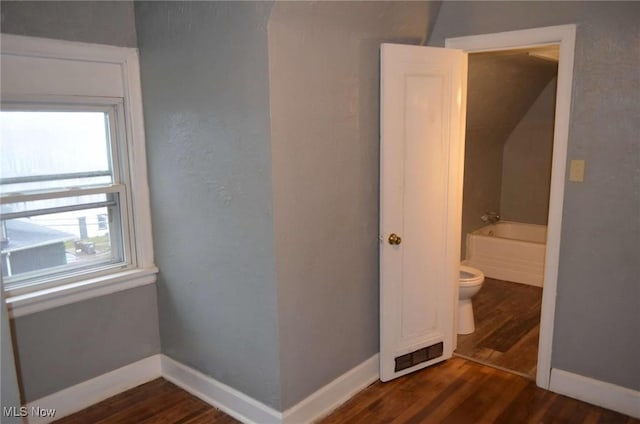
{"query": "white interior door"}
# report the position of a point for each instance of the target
(423, 94)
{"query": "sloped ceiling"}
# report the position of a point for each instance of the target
(502, 87)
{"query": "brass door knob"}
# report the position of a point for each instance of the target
(394, 239)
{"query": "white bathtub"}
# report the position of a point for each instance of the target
(509, 251)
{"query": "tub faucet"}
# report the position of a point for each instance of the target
(490, 217)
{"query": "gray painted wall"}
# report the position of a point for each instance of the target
(501, 89)
(324, 84)
(598, 295)
(102, 22)
(8, 381)
(204, 69)
(526, 165)
(60, 347)
(211, 164)
(64, 346)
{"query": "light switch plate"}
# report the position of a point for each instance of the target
(576, 172)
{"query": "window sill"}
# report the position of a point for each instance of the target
(53, 297)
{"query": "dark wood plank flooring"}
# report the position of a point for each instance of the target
(507, 317)
(460, 391)
(157, 401)
(456, 391)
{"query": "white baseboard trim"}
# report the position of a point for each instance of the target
(87, 393)
(249, 410)
(320, 403)
(219, 395)
(226, 398)
(607, 395)
(312, 408)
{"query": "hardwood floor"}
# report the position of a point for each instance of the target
(456, 391)
(460, 391)
(158, 401)
(507, 317)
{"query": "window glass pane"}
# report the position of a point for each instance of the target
(61, 243)
(44, 150)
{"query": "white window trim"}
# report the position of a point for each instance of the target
(126, 59)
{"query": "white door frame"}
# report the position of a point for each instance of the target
(564, 36)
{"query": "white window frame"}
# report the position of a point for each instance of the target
(64, 74)
(113, 107)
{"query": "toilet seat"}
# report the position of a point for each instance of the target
(470, 276)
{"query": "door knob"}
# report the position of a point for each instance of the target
(394, 239)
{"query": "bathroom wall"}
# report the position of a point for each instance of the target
(501, 89)
(526, 164)
(324, 91)
(64, 346)
(205, 86)
(598, 295)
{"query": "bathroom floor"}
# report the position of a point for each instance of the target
(507, 317)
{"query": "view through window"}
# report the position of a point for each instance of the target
(61, 198)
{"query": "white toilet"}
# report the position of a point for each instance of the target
(470, 283)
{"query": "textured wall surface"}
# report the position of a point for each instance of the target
(324, 83)
(501, 88)
(60, 347)
(205, 85)
(526, 165)
(102, 22)
(598, 294)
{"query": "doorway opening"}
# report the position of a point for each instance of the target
(511, 96)
(564, 36)
(423, 97)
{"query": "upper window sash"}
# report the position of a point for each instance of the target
(114, 140)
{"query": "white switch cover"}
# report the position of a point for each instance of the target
(576, 173)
